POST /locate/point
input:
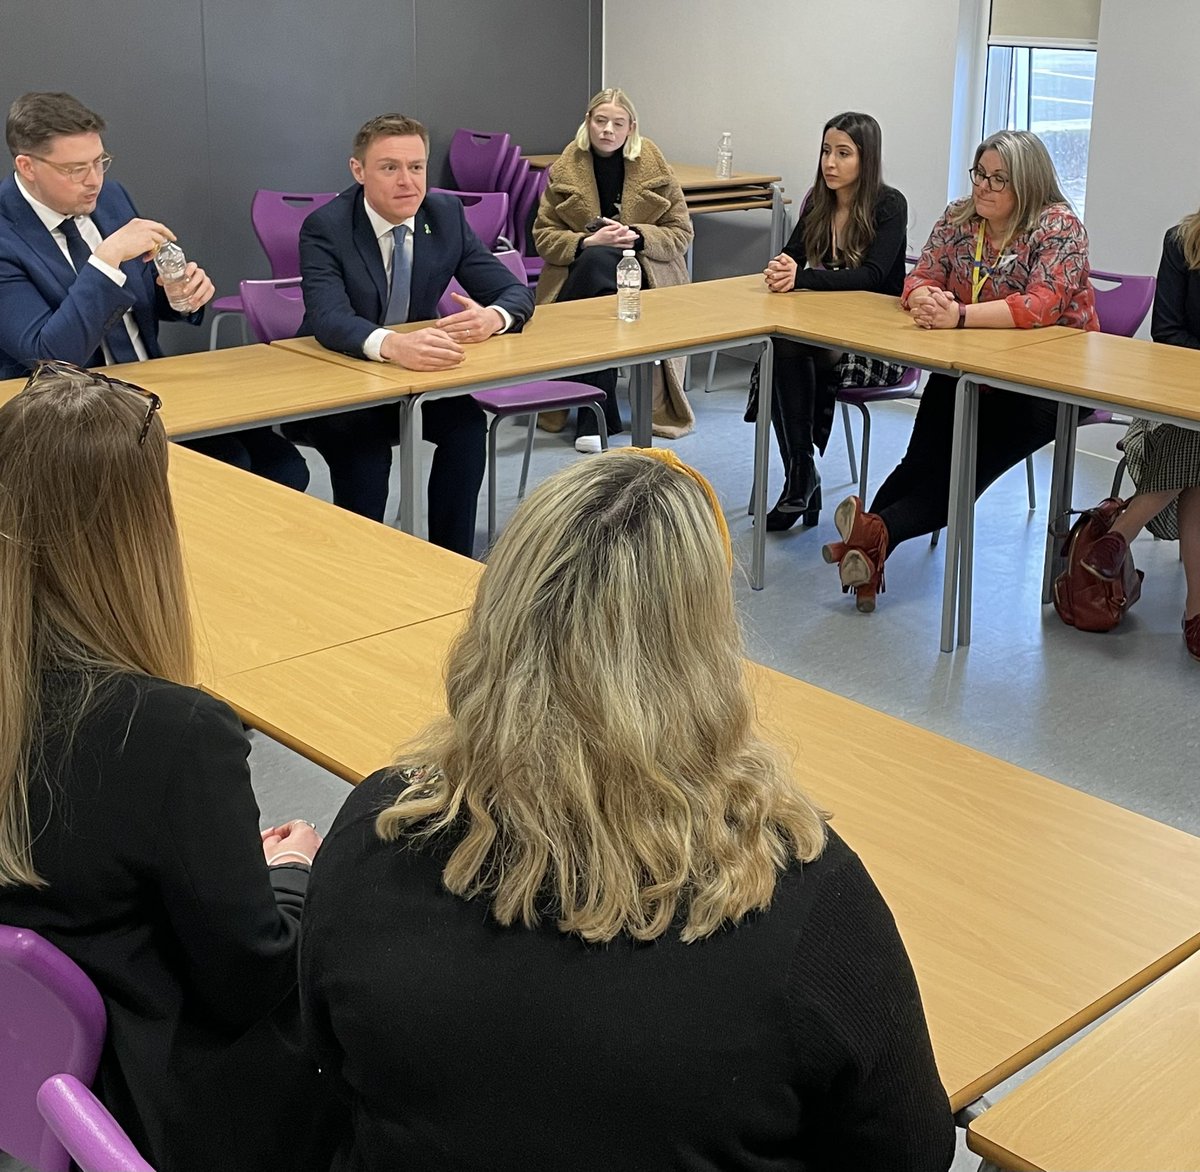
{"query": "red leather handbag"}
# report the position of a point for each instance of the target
(1082, 599)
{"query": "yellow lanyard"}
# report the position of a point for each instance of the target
(980, 273)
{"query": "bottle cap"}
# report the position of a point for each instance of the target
(628, 252)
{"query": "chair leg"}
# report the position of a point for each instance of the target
(866, 453)
(1120, 475)
(492, 478)
(849, 442)
(1029, 483)
(601, 424)
(528, 453)
(933, 538)
(215, 328)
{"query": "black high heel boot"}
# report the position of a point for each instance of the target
(801, 500)
(791, 417)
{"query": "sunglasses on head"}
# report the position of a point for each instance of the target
(50, 367)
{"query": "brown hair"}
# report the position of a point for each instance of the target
(599, 762)
(385, 126)
(34, 119)
(91, 573)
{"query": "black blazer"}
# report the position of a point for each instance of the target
(1176, 315)
(147, 836)
(345, 284)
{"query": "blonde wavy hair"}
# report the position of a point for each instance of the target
(1187, 232)
(617, 97)
(91, 574)
(598, 762)
(1031, 175)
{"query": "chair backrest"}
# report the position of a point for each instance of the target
(486, 212)
(510, 259)
(277, 216)
(476, 157)
(274, 309)
(524, 202)
(509, 166)
(51, 1020)
(85, 1128)
(1122, 308)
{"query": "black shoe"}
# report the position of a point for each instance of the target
(786, 513)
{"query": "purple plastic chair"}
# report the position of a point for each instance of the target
(510, 166)
(276, 217)
(52, 1021)
(94, 1139)
(525, 201)
(526, 399)
(486, 213)
(476, 157)
(274, 309)
(859, 397)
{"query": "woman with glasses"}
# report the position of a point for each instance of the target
(850, 235)
(129, 835)
(1012, 255)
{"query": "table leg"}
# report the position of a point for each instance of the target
(966, 541)
(963, 439)
(641, 402)
(410, 426)
(1062, 478)
(762, 458)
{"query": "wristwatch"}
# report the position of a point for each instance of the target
(962, 317)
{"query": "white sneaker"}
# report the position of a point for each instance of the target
(588, 445)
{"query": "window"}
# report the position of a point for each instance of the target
(1049, 91)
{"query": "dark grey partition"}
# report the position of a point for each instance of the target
(207, 100)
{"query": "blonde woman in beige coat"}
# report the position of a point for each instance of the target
(609, 190)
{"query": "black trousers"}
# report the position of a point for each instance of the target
(915, 497)
(593, 273)
(258, 450)
(357, 446)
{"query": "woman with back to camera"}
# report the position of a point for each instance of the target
(605, 929)
(128, 830)
(850, 235)
(610, 190)
(1012, 255)
(1164, 459)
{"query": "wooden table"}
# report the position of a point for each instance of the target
(1089, 369)
(217, 391)
(1029, 908)
(1123, 1098)
(274, 573)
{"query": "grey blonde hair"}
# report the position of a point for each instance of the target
(1187, 232)
(617, 97)
(1031, 175)
(91, 574)
(598, 763)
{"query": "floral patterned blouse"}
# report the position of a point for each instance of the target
(1043, 275)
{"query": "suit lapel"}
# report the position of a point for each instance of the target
(34, 233)
(368, 250)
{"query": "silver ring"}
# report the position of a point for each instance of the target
(306, 822)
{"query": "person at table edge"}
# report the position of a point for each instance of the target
(353, 286)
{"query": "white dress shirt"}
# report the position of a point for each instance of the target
(92, 238)
(372, 347)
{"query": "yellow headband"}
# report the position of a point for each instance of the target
(668, 457)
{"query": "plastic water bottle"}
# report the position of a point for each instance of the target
(725, 155)
(629, 287)
(172, 267)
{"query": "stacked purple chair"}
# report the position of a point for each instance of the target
(276, 217)
(486, 212)
(476, 157)
(82, 1124)
(52, 1021)
(526, 399)
(274, 309)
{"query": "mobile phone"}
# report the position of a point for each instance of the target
(595, 225)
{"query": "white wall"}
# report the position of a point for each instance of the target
(773, 72)
(1144, 161)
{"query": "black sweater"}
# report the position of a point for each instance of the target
(1175, 319)
(147, 836)
(882, 268)
(795, 1041)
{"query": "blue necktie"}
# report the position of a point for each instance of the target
(119, 344)
(397, 306)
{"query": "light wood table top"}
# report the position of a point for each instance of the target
(275, 573)
(1128, 373)
(1028, 908)
(570, 333)
(224, 390)
(1124, 1098)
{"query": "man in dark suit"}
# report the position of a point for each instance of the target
(75, 279)
(383, 253)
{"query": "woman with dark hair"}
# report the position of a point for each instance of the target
(1011, 255)
(850, 235)
(129, 834)
(1164, 459)
(589, 920)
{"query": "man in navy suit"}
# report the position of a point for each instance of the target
(383, 253)
(76, 282)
